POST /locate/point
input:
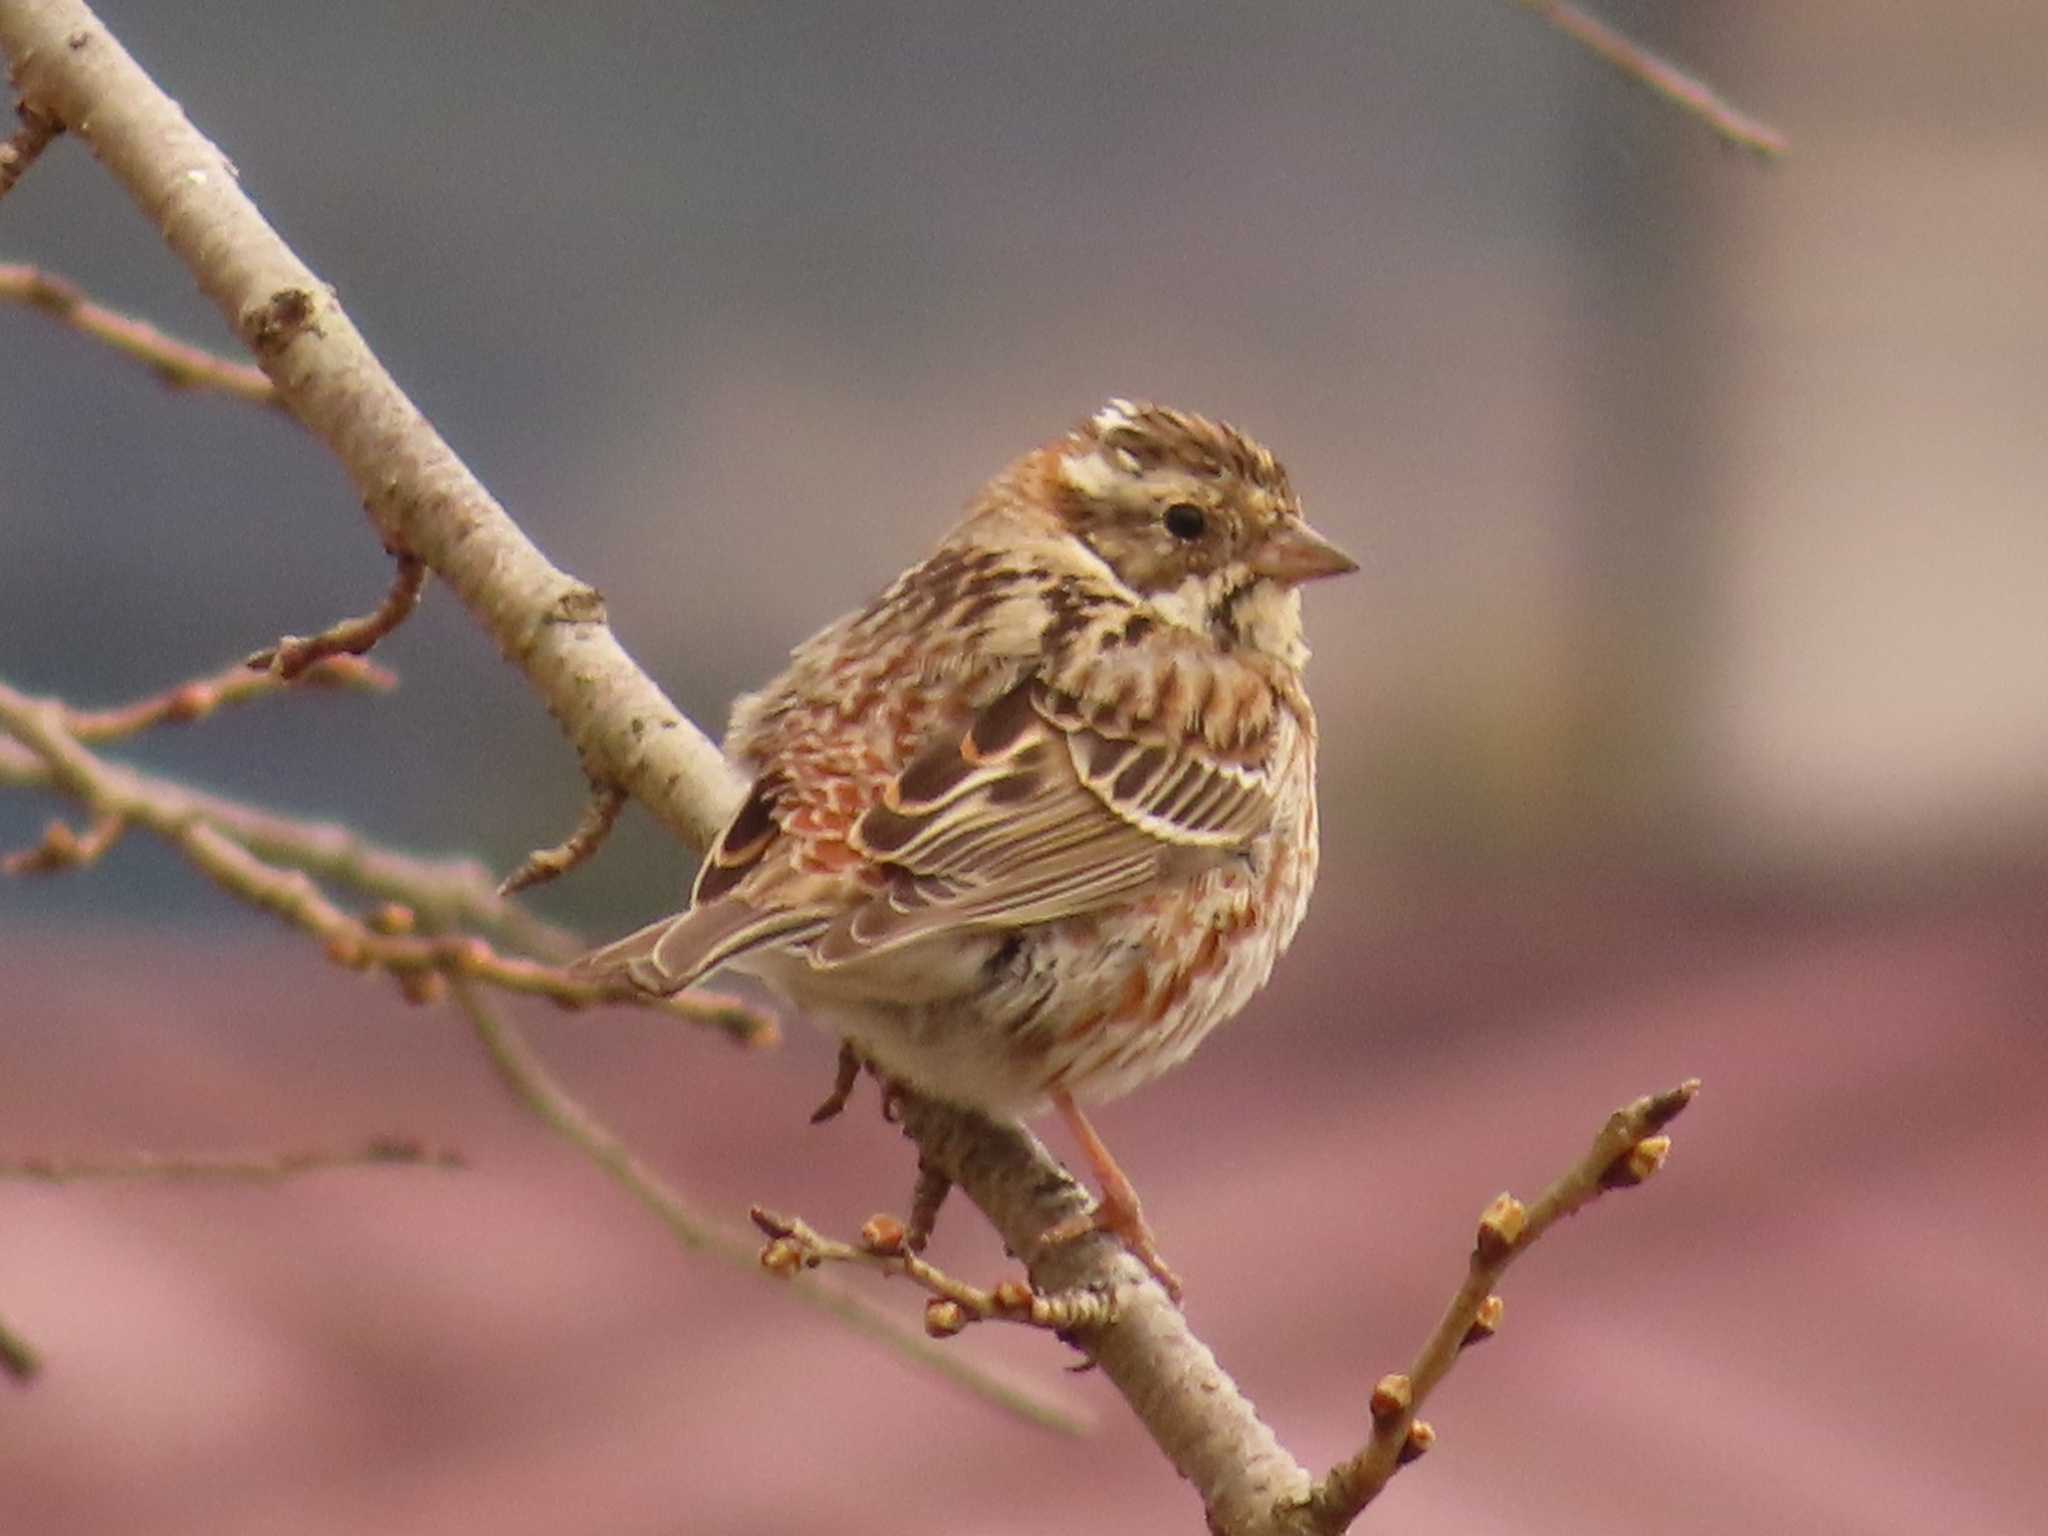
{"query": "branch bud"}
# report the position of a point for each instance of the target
(1421, 1436)
(1500, 1228)
(1485, 1322)
(1393, 1397)
(882, 1235)
(1637, 1163)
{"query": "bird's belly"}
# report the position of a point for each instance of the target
(1093, 1007)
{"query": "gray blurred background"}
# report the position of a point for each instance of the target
(1690, 714)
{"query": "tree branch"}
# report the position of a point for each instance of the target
(626, 732)
(185, 703)
(520, 1069)
(242, 1168)
(294, 654)
(422, 497)
(445, 896)
(25, 145)
(420, 964)
(176, 363)
(1690, 94)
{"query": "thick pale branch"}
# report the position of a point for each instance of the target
(1194, 1412)
(423, 498)
(425, 501)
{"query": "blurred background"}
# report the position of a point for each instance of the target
(1690, 715)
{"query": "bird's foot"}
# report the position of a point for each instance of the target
(1118, 1212)
(1125, 1221)
(845, 1076)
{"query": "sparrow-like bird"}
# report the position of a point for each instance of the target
(1029, 825)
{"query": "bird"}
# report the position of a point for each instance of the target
(1030, 824)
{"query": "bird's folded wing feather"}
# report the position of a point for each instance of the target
(1034, 814)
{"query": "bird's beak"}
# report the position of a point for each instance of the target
(1297, 553)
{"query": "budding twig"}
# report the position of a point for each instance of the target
(1627, 1150)
(443, 894)
(183, 703)
(420, 964)
(529, 1081)
(884, 1245)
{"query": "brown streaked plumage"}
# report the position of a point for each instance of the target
(1028, 826)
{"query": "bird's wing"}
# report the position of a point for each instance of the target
(1035, 813)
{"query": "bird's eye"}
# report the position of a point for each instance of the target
(1184, 520)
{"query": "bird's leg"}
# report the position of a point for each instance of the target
(925, 1200)
(842, 1084)
(1118, 1212)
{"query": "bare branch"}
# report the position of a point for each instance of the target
(258, 1168)
(175, 363)
(422, 498)
(530, 1083)
(420, 964)
(1194, 1412)
(600, 815)
(553, 628)
(26, 145)
(1627, 1151)
(884, 1246)
(186, 702)
(1688, 93)
(293, 654)
(444, 896)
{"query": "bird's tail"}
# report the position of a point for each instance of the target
(667, 956)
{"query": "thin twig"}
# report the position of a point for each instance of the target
(1626, 1152)
(257, 1168)
(445, 895)
(18, 1357)
(176, 363)
(421, 965)
(522, 1071)
(600, 815)
(183, 703)
(794, 1244)
(1688, 93)
(26, 145)
(63, 849)
(293, 654)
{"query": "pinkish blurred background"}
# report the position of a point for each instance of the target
(1690, 716)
